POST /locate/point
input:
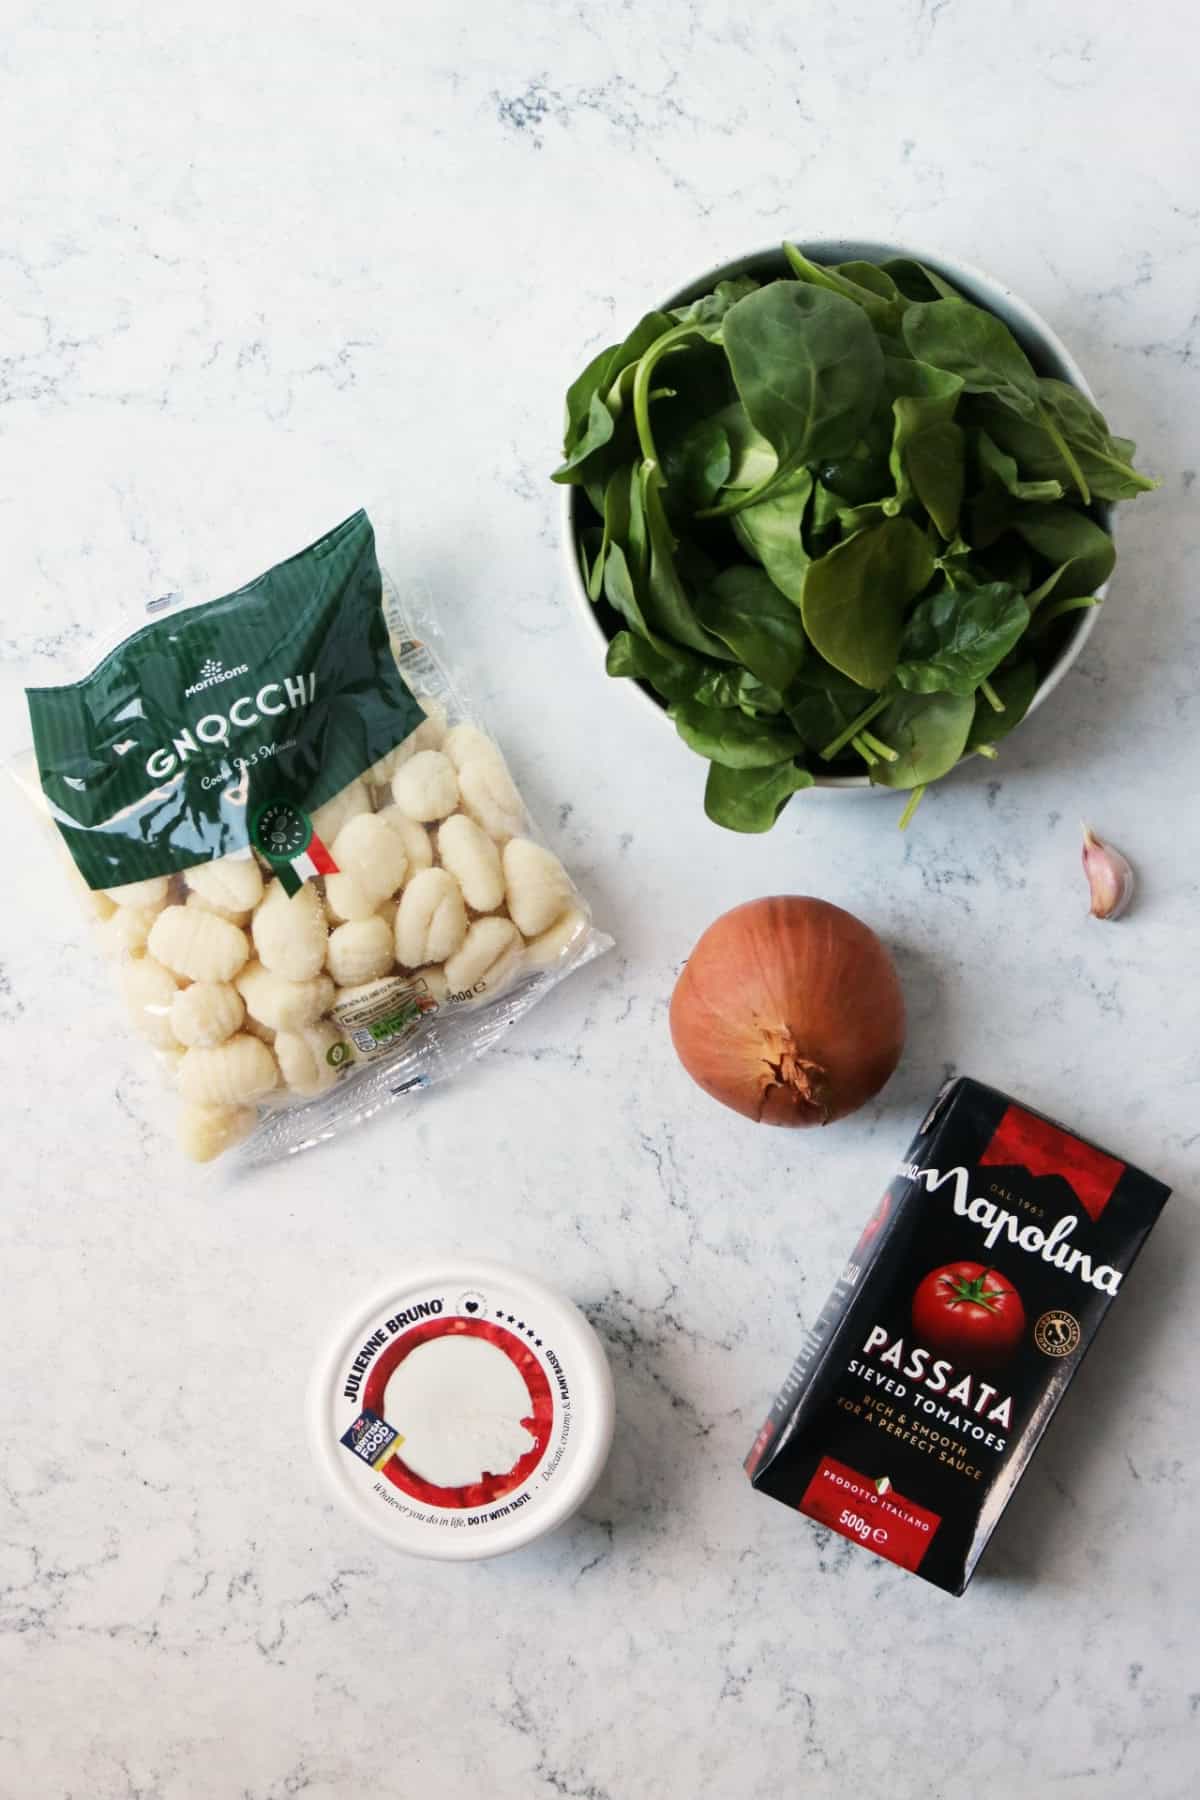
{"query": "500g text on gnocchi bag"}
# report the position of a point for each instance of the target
(312, 867)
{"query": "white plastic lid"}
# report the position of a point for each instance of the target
(464, 1412)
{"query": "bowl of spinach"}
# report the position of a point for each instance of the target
(843, 512)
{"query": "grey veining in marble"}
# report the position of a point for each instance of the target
(262, 264)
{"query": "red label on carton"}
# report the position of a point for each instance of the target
(871, 1512)
(1026, 1141)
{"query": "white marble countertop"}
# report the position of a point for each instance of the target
(259, 265)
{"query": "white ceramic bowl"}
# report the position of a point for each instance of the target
(1043, 346)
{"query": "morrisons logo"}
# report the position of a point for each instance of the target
(212, 674)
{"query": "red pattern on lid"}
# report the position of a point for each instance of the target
(538, 1422)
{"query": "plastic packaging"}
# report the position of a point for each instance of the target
(258, 837)
(463, 1412)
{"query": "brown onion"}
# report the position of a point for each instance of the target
(789, 1010)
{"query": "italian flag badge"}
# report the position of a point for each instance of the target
(283, 833)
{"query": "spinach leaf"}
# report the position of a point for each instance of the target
(861, 475)
(868, 287)
(694, 446)
(745, 609)
(1106, 461)
(598, 427)
(875, 278)
(908, 376)
(751, 799)
(916, 282)
(1048, 616)
(590, 422)
(616, 526)
(936, 462)
(928, 732)
(621, 594)
(1035, 595)
(1000, 469)
(953, 640)
(809, 370)
(1008, 559)
(696, 466)
(855, 598)
(670, 672)
(1015, 689)
(665, 600)
(726, 686)
(710, 309)
(587, 386)
(772, 531)
(977, 346)
(702, 322)
(827, 508)
(958, 568)
(1064, 536)
(752, 459)
(822, 702)
(637, 538)
(833, 518)
(733, 738)
(929, 467)
(590, 545)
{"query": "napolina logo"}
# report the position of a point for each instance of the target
(292, 693)
(996, 1222)
(212, 674)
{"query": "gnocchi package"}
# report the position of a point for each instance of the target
(310, 863)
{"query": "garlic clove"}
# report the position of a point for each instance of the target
(1110, 876)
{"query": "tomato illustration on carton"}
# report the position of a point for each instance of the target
(970, 1313)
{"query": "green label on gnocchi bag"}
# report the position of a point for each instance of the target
(280, 693)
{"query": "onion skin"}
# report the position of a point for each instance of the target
(790, 1011)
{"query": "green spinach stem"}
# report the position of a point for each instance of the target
(855, 726)
(992, 697)
(865, 751)
(988, 750)
(742, 497)
(1065, 451)
(1048, 614)
(642, 395)
(914, 800)
(880, 749)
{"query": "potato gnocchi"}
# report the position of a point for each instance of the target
(360, 950)
(206, 1013)
(473, 860)
(232, 886)
(201, 946)
(207, 1131)
(290, 931)
(488, 961)
(306, 863)
(440, 900)
(304, 1057)
(150, 994)
(230, 1074)
(426, 787)
(276, 1003)
(490, 798)
(431, 920)
(536, 886)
